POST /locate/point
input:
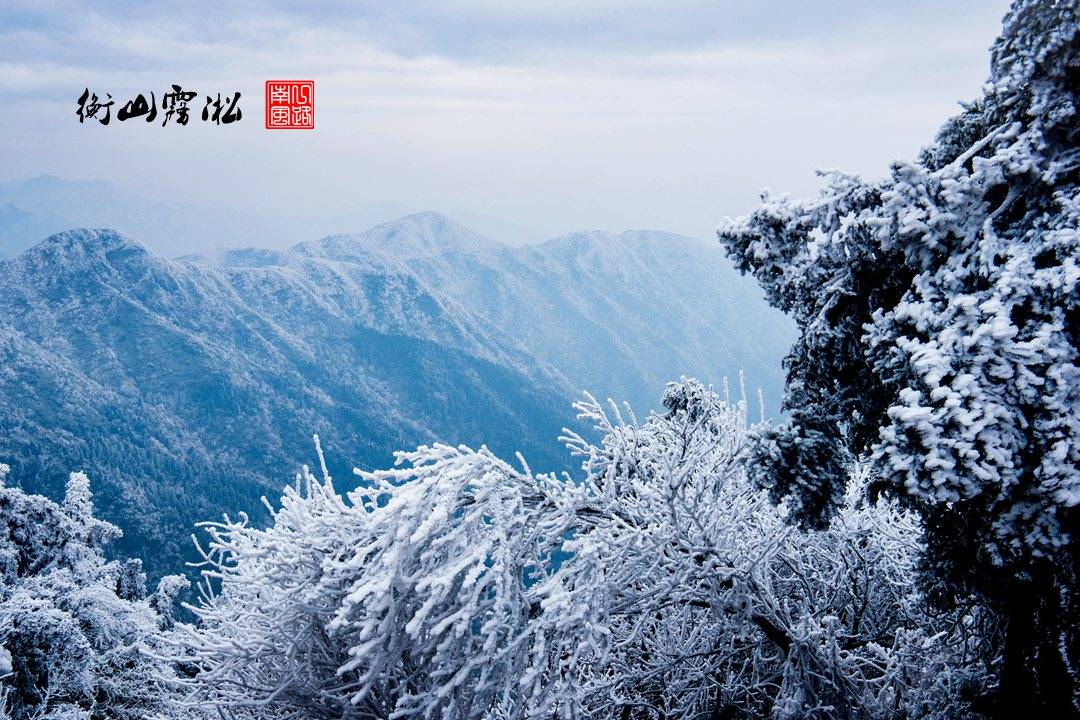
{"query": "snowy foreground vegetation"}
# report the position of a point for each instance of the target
(939, 317)
(81, 637)
(663, 583)
(902, 546)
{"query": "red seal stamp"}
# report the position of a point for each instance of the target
(290, 104)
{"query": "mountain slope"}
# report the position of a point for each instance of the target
(187, 388)
(618, 315)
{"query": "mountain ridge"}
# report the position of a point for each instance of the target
(193, 385)
(38, 207)
(173, 375)
(412, 236)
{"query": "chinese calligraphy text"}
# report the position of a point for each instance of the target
(219, 109)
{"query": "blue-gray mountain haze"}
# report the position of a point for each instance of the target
(189, 387)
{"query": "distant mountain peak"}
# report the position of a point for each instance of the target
(429, 218)
(48, 182)
(628, 241)
(83, 247)
(91, 239)
(43, 179)
(420, 235)
(426, 233)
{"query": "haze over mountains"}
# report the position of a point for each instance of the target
(190, 387)
(32, 210)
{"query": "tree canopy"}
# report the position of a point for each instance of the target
(939, 320)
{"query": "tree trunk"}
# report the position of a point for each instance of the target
(1035, 680)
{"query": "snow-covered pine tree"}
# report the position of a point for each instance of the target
(940, 334)
(663, 584)
(78, 636)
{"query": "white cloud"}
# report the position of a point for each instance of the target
(559, 135)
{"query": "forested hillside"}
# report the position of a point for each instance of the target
(194, 385)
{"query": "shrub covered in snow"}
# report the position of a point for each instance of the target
(664, 584)
(78, 636)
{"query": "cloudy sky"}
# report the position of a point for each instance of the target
(551, 116)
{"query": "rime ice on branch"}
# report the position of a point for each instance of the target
(939, 312)
(78, 637)
(459, 586)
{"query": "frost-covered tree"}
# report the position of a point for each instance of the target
(408, 599)
(700, 601)
(662, 584)
(939, 311)
(79, 639)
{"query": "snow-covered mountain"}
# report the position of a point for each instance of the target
(617, 315)
(188, 387)
(421, 235)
